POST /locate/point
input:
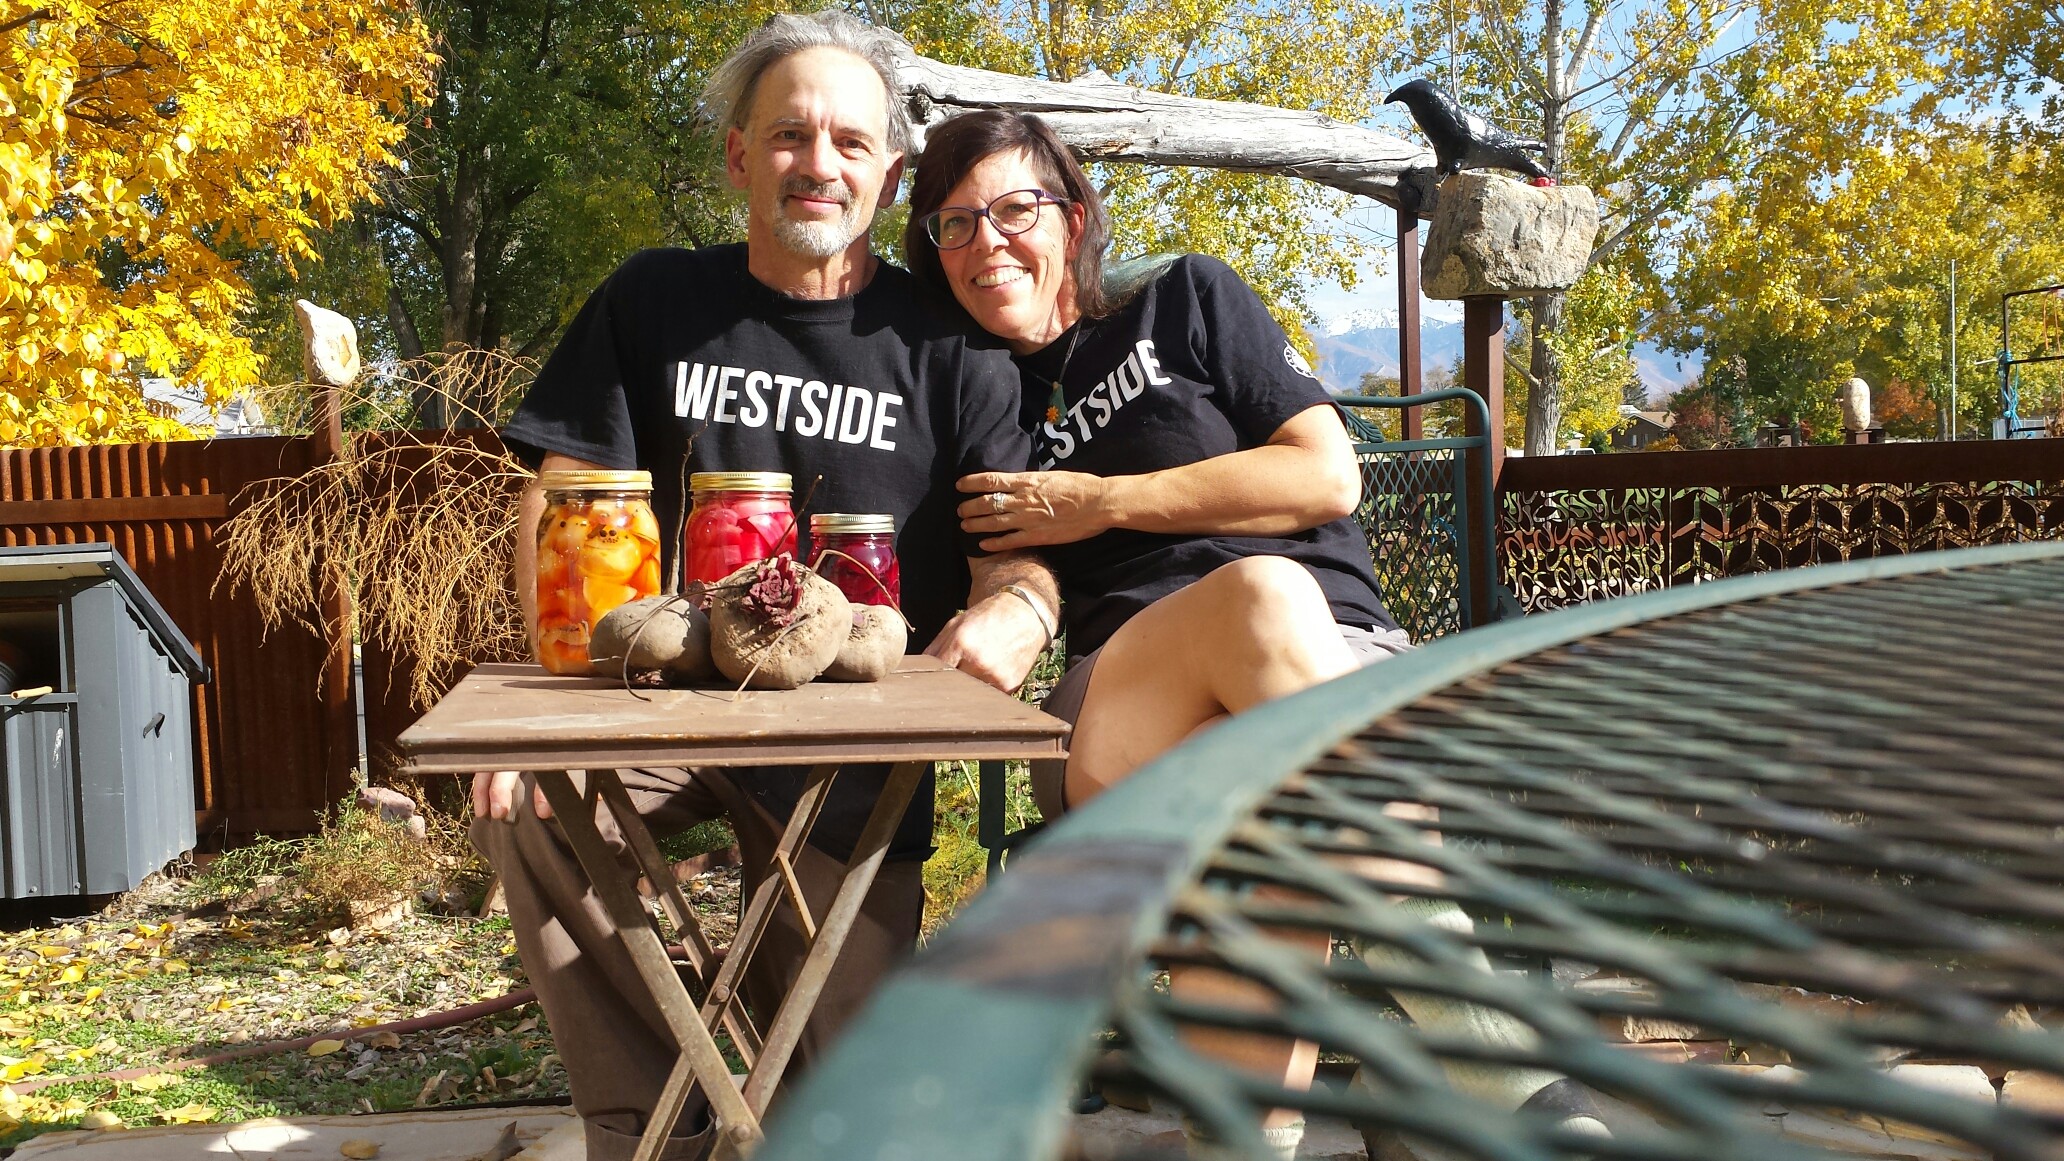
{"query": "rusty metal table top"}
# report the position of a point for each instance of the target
(1810, 822)
(518, 717)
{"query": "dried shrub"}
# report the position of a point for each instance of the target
(419, 528)
(359, 857)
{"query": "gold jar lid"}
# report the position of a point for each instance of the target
(851, 522)
(595, 480)
(739, 482)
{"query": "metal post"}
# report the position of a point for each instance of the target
(339, 698)
(1410, 380)
(1483, 371)
(1952, 351)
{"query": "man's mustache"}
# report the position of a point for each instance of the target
(832, 190)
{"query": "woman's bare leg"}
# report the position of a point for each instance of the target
(1248, 633)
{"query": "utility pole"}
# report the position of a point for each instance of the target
(1952, 351)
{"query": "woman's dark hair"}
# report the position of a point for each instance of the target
(958, 145)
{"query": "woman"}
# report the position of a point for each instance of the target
(1195, 487)
(1197, 480)
(1194, 491)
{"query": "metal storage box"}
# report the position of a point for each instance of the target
(96, 778)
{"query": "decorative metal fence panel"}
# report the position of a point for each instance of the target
(1579, 528)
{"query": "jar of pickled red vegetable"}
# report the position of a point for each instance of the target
(736, 519)
(598, 547)
(858, 554)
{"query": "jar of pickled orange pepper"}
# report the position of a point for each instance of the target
(858, 554)
(598, 547)
(736, 519)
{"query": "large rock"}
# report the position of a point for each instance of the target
(329, 345)
(1492, 235)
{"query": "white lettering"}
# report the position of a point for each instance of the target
(755, 413)
(883, 421)
(726, 395)
(1131, 380)
(1098, 403)
(859, 414)
(692, 392)
(1075, 413)
(786, 383)
(834, 409)
(1151, 365)
(1063, 443)
(811, 419)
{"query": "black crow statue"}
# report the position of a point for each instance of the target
(1461, 139)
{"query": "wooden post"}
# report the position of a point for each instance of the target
(1483, 371)
(340, 700)
(1409, 371)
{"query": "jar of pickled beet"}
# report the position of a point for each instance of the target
(598, 547)
(736, 519)
(858, 554)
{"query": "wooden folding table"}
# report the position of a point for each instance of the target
(518, 717)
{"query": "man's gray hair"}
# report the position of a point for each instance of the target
(728, 96)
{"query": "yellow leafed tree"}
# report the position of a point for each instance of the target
(145, 145)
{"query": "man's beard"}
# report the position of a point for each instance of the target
(816, 239)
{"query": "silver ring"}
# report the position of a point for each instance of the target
(998, 502)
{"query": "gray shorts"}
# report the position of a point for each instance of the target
(1049, 778)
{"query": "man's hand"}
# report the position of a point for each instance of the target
(494, 796)
(997, 640)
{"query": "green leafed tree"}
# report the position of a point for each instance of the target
(1665, 105)
(1325, 58)
(561, 136)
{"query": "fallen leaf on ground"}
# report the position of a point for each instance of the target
(100, 1119)
(154, 1081)
(190, 1114)
(324, 1047)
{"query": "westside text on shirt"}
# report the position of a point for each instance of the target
(753, 398)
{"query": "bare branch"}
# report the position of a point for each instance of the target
(1586, 40)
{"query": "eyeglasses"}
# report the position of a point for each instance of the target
(1012, 213)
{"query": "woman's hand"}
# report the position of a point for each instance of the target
(1028, 509)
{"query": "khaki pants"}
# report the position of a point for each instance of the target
(607, 1029)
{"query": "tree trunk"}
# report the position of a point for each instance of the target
(1544, 396)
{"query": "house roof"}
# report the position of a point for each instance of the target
(190, 406)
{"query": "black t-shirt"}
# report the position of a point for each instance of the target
(1193, 367)
(683, 362)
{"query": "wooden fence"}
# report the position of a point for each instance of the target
(276, 731)
(266, 747)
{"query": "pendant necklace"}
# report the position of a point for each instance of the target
(1057, 402)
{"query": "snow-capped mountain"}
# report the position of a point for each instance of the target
(1362, 341)
(1370, 344)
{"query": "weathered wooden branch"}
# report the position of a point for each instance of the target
(1104, 120)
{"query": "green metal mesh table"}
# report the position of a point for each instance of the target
(1811, 821)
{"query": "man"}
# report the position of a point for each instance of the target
(798, 352)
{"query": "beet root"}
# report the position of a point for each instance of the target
(776, 625)
(663, 634)
(873, 647)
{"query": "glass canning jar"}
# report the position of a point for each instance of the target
(736, 519)
(858, 554)
(598, 547)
